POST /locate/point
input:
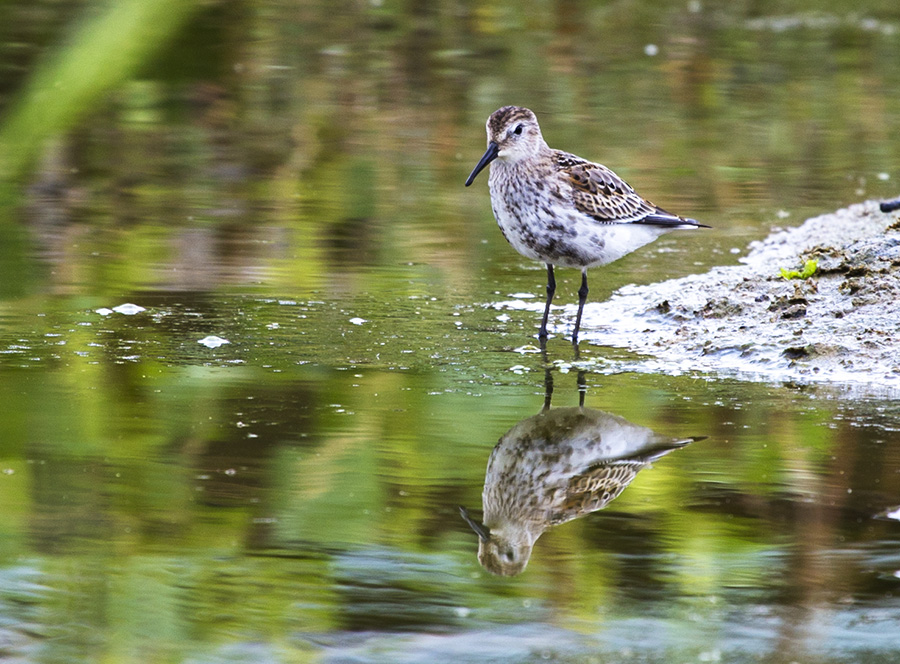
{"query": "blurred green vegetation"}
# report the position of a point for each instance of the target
(307, 144)
(103, 52)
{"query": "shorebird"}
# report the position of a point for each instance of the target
(554, 467)
(560, 209)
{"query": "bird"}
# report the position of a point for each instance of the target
(551, 468)
(562, 210)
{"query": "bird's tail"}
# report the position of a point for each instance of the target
(654, 453)
(669, 220)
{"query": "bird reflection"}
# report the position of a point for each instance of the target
(559, 465)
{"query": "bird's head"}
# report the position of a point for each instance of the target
(513, 134)
(504, 557)
(501, 551)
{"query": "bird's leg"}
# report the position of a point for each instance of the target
(548, 387)
(548, 375)
(582, 388)
(551, 289)
(582, 298)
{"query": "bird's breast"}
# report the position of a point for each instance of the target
(535, 216)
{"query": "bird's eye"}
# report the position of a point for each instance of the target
(518, 130)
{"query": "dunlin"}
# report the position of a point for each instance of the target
(560, 209)
(554, 467)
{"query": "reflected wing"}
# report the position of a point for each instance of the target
(596, 488)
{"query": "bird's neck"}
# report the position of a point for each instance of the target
(514, 168)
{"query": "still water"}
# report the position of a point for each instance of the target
(251, 368)
(169, 502)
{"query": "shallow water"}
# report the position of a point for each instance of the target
(263, 459)
(262, 503)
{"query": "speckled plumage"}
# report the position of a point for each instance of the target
(554, 467)
(560, 209)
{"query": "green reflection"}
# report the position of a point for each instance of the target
(101, 54)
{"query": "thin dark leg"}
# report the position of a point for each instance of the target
(582, 298)
(551, 289)
(548, 375)
(548, 387)
(582, 388)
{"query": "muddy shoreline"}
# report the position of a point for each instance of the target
(839, 325)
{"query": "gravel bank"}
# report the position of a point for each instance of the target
(842, 324)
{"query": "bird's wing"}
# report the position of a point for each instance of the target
(602, 195)
(596, 488)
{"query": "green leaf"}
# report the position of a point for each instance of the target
(809, 269)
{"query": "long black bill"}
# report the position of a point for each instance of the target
(488, 157)
(483, 533)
